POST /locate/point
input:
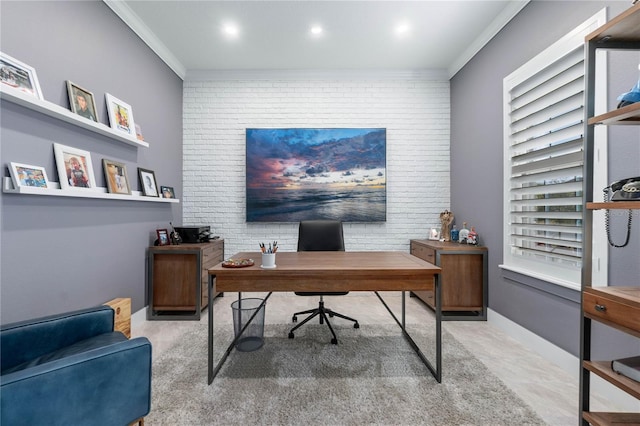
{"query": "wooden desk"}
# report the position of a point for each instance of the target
(330, 271)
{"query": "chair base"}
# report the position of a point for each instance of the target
(324, 314)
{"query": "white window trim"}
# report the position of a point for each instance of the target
(544, 270)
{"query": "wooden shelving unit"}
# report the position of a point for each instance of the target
(617, 305)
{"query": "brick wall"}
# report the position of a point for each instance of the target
(414, 108)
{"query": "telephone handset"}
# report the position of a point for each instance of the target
(626, 189)
(623, 190)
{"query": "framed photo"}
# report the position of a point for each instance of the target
(163, 237)
(19, 76)
(120, 115)
(26, 175)
(167, 192)
(82, 101)
(115, 174)
(74, 167)
(148, 182)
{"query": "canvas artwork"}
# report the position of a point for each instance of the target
(315, 173)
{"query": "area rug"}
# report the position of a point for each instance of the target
(371, 377)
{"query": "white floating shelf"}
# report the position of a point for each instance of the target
(63, 114)
(54, 190)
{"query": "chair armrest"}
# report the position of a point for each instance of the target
(108, 385)
(25, 340)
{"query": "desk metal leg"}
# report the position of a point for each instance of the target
(214, 371)
(437, 371)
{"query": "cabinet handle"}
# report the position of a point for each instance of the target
(601, 308)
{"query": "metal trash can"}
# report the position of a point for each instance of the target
(253, 337)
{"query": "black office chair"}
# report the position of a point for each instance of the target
(321, 235)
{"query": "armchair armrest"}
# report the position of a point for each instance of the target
(25, 340)
(108, 385)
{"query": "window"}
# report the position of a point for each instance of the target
(543, 143)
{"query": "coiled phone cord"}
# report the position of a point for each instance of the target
(606, 223)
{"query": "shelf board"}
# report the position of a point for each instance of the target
(603, 369)
(56, 111)
(611, 419)
(102, 193)
(623, 27)
(629, 115)
(614, 205)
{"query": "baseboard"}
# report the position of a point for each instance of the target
(138, 317)
(618, 399)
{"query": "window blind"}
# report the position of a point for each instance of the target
(545, 138)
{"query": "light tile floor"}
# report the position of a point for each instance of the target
(548, 389)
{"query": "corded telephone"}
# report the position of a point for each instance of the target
(623, 190)
(626, 189)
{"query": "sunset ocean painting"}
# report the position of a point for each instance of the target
(303, 174)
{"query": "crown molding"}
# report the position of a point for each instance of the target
(284, 74)
(494, 28)
(134, 22)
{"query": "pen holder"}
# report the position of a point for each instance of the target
(268, 260)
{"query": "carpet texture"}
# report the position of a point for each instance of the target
(371, 377)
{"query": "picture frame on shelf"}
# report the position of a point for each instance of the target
(163, 237)
(74, 167)
(167, 192)
(23, 175)
(148, 182)
(115, 173)
(139, 135)
(120, 115)
(82, 102)
(17, 75)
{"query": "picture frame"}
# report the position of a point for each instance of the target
(75, 168)
(167, 192)
(115, 174)
(82, 102)
(148, 182)
(163, 237)
(26, 175)
(19, 76)
(120, 115)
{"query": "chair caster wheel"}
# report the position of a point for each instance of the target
(356, 325)
(294, 319)
(330, 314)
(290, 335)
(334, 341)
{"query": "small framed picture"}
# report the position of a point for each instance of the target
(163, 237)
(26, 175)
(139, 133)
(82, 101)
(148, 182)
(167, 192)
(115, 174)
(19, 76)
(120, 115)
(74, 167)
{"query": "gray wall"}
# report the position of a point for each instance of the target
(60, 253)
(548, 310)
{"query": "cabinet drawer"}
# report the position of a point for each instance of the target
(611, 311)
(424, 253)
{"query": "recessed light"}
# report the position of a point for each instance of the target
(316, 30)
(402, 29)
(231, 30)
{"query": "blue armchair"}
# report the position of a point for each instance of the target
(73, 369)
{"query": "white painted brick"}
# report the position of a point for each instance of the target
(415, 113)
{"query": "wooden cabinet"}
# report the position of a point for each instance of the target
(177, 279)
(463, 279)
(618, 304)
